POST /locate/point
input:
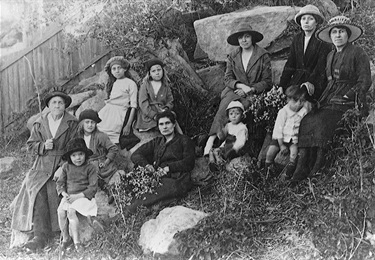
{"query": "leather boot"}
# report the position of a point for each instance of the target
(319, 162)
(302, 169)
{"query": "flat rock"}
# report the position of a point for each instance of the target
(157, 234)
(6, 165)
(212, 32)
(96, 102)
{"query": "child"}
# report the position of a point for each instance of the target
(77, 184)
(98, 142)
(235, 134)
(122, 92)
(155, 95)
(285, 132)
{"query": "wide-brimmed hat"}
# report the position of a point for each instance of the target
(241, 29)
(75, 145)
(67, 98)
(120, 60)
(236, 104)
(340, 21)
(89, 114)
(152, 62)
(309, 9)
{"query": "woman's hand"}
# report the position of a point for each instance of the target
(48, 145)
(243, 90)
(126, 130)
(150, 168)
(104, 164)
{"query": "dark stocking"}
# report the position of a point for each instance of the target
(302, 170)
(319, 162)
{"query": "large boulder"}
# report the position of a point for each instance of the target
(212, 32)
(96, 102)
(213, 77)
(277, 70)
(157, 234)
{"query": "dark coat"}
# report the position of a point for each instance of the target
(306, 67)
(178, 154)
(258, 75)
(45, 165)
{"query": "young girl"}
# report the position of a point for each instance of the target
(122, 92)
(77, 184)
(155, 95)
(234, 133)
(98, 142)
(285, 132)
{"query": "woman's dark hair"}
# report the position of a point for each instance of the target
(252, 38)
(348, 31)
(168, 114)
(296, 92)
(112, 80)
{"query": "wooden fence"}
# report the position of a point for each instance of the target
(49, 63)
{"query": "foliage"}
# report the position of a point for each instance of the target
(265, 106)
(135, 185)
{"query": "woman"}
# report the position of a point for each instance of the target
(35, 207)
(248, 72)
(308, 55)
(349, 78)
(173, 152)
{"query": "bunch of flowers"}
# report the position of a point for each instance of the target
(265, 106)
(135, 184)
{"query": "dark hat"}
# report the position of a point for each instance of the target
(241, 29)
(67, 98)
(75, 145)
(152, 62)
(340, 21)
(89, 114)
(312, 10)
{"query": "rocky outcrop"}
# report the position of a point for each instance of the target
(157, 234)
(271, 21)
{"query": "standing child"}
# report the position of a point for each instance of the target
(104, 151)
(234, 133)
(155, 96)
(77, 184)
(122, 92)
(285, 132)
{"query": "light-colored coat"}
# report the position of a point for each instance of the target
(45, 165)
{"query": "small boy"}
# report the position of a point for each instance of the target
(285, 132)
(235, 135)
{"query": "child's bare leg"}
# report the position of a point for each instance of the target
(291, 166)
(293, 153)
(271, 154)
(63, 224)
(209, 144)
(73, 222)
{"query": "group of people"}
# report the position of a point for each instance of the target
(324, 76)
(75, 157)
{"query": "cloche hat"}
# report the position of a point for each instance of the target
(236, 104)
(152, 62)
(120, 60)
(340, 21)
(309, 9)
(67, 98)
(241, 29)
(89, 114)
(75, 145)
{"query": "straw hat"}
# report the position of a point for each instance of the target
(241, 29)
(309, 9)
(236, 104)
(355, 30)
(67, 98)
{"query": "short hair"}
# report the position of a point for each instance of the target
(296, 92)
(169, 114)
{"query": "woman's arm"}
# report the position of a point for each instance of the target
(145, 153)
(133, 104)
(187, 162)
(169, 99)
(230, 79)
(265, 81)
(290, 66)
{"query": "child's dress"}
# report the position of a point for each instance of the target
(77, 179)
(103, 149)
(151, 103)
(123, 97)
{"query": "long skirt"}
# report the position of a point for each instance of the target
(318, 127)
(113, 117)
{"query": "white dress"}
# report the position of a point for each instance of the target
(123, 96)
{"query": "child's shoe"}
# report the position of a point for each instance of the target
(288, 170)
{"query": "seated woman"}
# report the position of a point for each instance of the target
(248, 72)
(349, 78)
(173, 152)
